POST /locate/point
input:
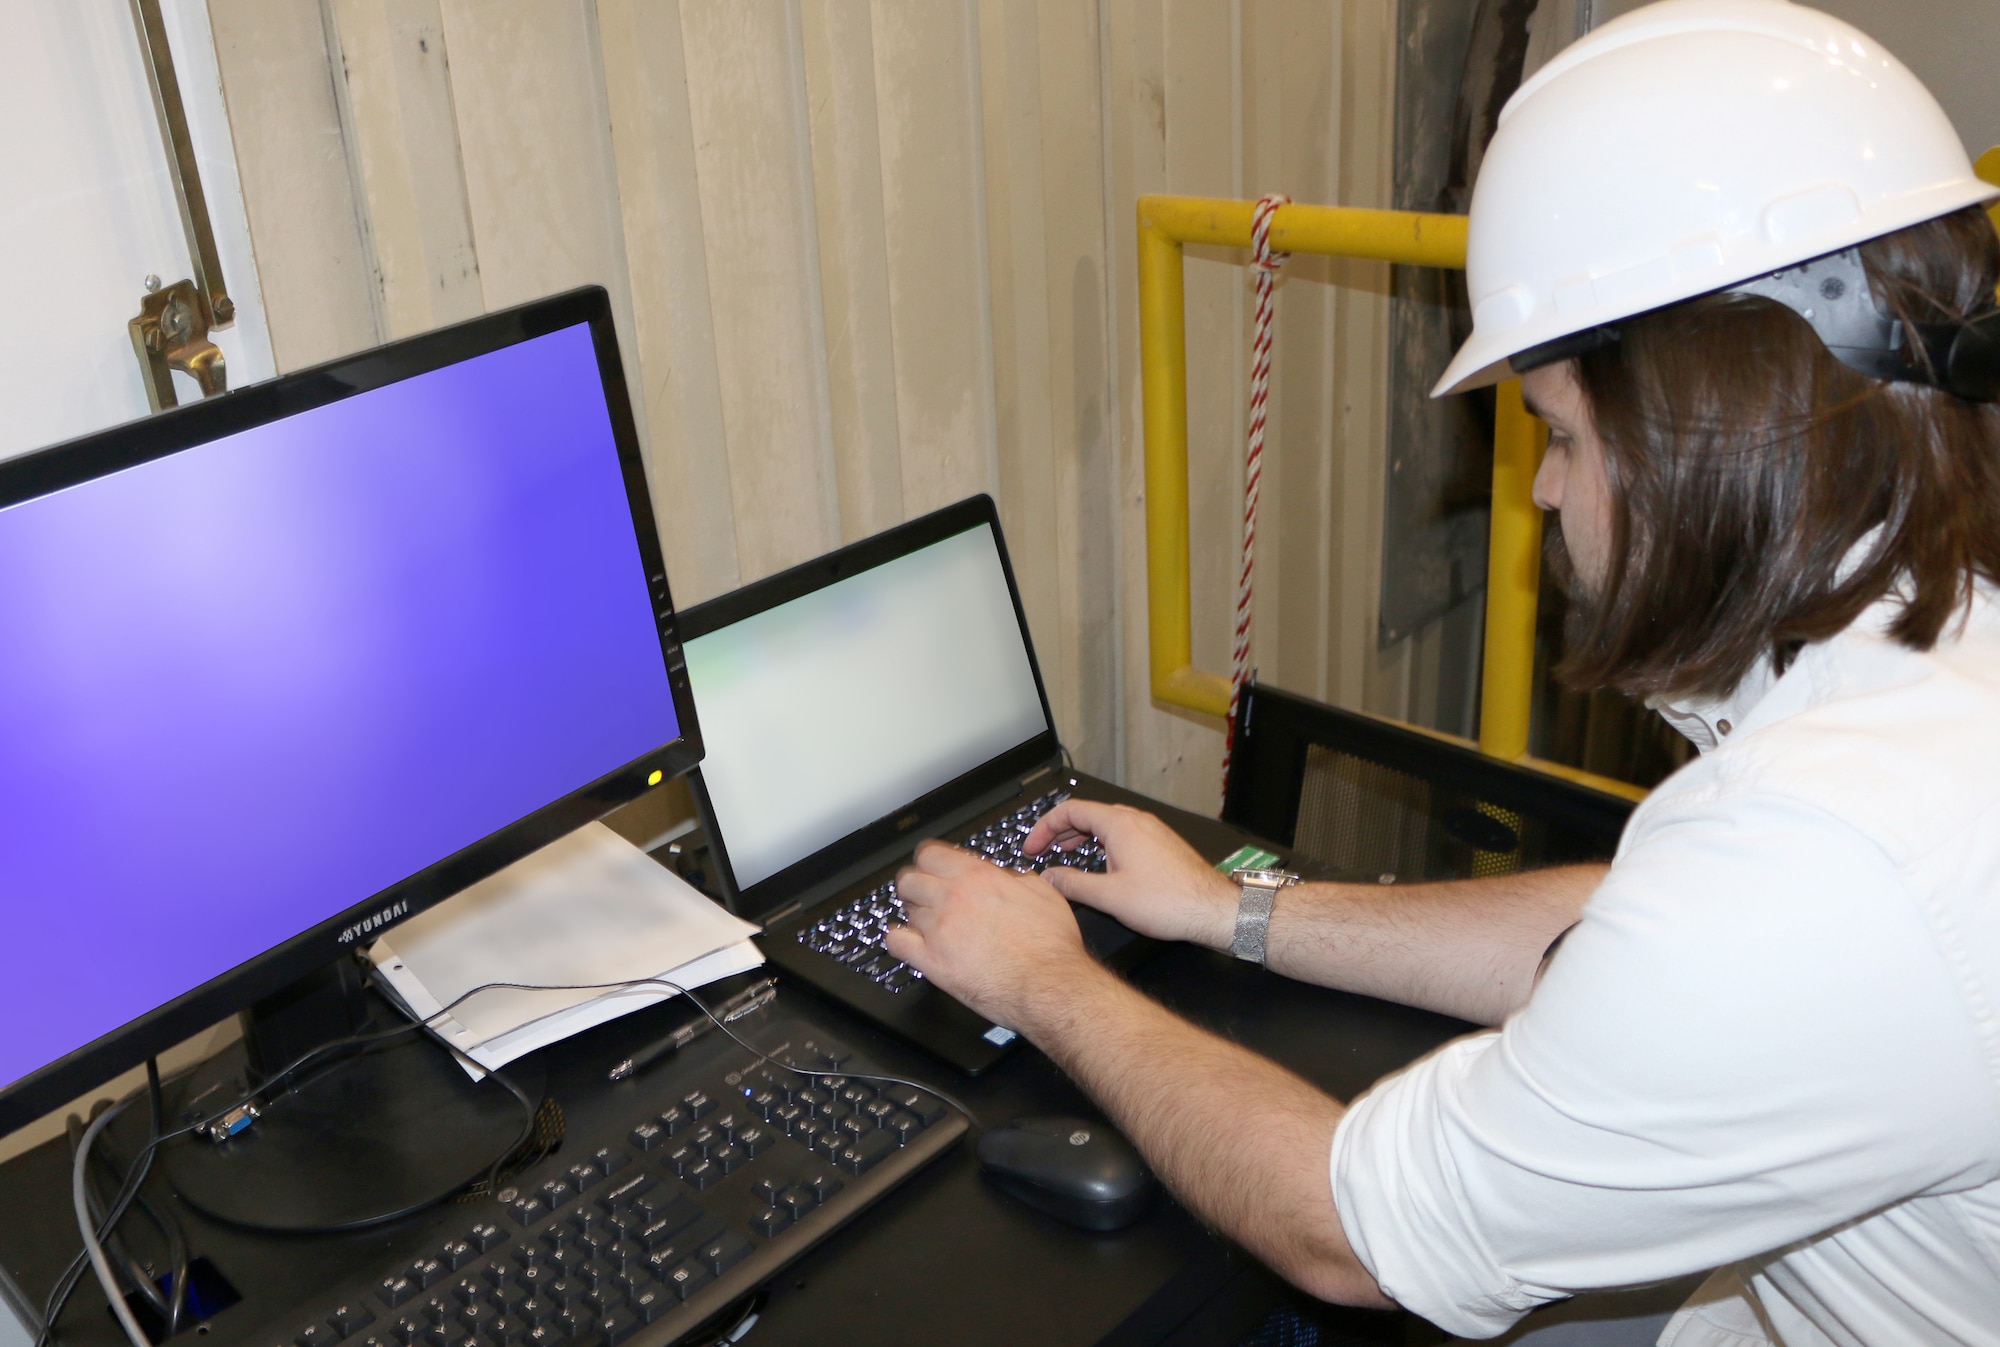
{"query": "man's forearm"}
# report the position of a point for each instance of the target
(1242, 1141)
(1468, 948)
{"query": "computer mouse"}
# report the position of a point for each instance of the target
(1077, 1171)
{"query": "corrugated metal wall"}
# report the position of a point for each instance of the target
(869, 258)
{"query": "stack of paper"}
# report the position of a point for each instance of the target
(585, 911)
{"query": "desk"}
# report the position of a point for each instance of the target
(946, 1258)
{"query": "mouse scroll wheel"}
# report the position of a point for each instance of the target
(1078, 1137)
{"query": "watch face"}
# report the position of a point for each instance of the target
(1276, 879)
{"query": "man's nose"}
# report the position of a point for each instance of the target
(1547, 492)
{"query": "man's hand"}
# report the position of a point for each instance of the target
(1153, 881)
(994, 939)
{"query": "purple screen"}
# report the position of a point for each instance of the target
(248, 685)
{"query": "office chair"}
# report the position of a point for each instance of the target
(1374, 800)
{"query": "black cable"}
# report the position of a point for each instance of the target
(59, 1294)
(702, 1006)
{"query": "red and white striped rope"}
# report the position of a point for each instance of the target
(1264, 264)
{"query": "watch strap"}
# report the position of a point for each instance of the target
(1253, 921)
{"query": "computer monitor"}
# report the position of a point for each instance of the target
(284, 667)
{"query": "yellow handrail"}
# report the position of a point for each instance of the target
(1166, 223)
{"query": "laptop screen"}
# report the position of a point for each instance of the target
(827, 712)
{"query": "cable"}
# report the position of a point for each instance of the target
(79, 1195)
(699, 1004)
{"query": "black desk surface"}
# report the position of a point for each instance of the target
(946, 1258)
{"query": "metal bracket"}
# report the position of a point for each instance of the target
(171, 331)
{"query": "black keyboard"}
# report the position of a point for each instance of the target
(852, 934)
(639, 1238)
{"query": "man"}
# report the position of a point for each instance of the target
(1736, 253)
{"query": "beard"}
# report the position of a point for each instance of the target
(1580, 600)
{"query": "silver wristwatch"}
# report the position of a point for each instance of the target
(1253, 909)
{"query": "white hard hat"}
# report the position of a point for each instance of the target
(1686, 147)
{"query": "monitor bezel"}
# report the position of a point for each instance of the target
(80, 460)
(772, 892)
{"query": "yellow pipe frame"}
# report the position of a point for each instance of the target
(1166, 224)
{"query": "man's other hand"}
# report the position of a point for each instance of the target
(1153, 881)
(994, 939)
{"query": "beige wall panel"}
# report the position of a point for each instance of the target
(853, 263)
(1011, 114)
(541, 182)
(292, 161)
(927, 107)
(751, 156)
(672, 370)
(1086, 676)
(1292, 55)
(402, 140)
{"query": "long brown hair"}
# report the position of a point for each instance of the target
(1745, 462)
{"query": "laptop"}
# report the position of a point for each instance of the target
(851, 707)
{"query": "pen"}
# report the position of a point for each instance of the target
(735, 1008)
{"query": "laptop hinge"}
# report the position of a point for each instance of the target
(1036, 775)
(773, 918)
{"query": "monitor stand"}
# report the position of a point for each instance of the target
(397, 1128)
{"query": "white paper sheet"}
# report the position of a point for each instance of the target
(586, 910)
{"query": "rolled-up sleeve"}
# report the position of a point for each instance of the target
(1750, 1038)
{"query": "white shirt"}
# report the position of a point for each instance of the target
(1771, 1045)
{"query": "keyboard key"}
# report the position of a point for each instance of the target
(558, 1193)
(441, 1335)
(765, 1103)
(866, 1153)
(638, 1184)
(707, 1140)
(725, 1252)
(902, 1126)
(926, 1107)
(674, 1121)
(673, 1218)
(784, 1116)
(574, 1322)
(468, 1289)
(610, 1159)
(568, 1258)
(406, 1330)
(796, 1202)
(436, 1310)
(474, 1318)
(532, 1310)
(698, 1105)
(830, 1143)
(529, 1210)
(427, 1272)
(648, 1136)
(563, 1292)
(504, 1330)
(543, 1335)
(316, 1335)
(770, 1222)
(457, 1253)
(702, 1175)
(879, 1111)
(857, 1125)
(687, 1277)
(649, 1304)
(823, 1187)
(616, 1326)
(394, 1291)
(856, 1094)
(585, 1176)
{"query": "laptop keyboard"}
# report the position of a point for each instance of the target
(638, 1240)
(853, 934)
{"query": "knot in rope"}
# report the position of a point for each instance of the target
(1261, 255)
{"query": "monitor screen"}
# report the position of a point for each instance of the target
(825, 713)
(275, 673)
